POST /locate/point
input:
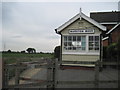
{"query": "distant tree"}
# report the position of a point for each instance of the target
(9, 51)
(41, 53)
(57, 52)
(31, 50)
(28, 50)
(22, 51)
(34, 51)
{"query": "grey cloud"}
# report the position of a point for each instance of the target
(33, 24)
(16, 36)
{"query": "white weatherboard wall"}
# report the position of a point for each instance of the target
(76, 55)
(87, 48)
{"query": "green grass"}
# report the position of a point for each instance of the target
(10, 58)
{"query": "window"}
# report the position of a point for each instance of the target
(93, 43)
(75, 43)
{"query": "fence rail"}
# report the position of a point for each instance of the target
(52, 75)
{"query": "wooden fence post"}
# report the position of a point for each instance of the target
(55, 73)
(97, 74)
(17, 72)
(49, 72)
(5, 74)
(6, 77)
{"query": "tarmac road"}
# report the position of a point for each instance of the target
(73, 75)
(82, 75)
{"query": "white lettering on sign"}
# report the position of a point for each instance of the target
(88, 30)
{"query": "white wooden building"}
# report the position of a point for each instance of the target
(81, 40)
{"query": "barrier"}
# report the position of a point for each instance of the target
(52, 75)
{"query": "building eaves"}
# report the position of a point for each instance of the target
(59, 29)
(113, 28)
(105, 38)
(104, 23)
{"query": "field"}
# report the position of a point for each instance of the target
(10, 58)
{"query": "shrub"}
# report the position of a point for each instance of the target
(57, 52)
(118, 47)
(104, 52)
(112, 51)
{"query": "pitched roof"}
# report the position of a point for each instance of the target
(59, 29)
(105, 17)
(113, 28)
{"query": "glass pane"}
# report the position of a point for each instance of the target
(78, 43)
(96, 48)
(74, 38)
(96, 38)
(79, 38)
(91, 43)
(79, 48)
(96, 43)
(83, 44)
(65, 38)
(90, 38)
(90, 48)
(65, 48)
(83, 38)
(69, 48)
(65, 43)
(74, 48)
(83, 48)
(73, 43)
(69, 43)
(69, 38)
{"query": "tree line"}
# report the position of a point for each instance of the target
(28, 50)
(33, 51)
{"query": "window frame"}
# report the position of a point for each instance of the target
(74, 39)
(86, 51)
(94, 45)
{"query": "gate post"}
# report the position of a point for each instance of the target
(3, 74)
(17, 72)
(97, 74)
(5, 79)
(55, 73)
(49, 72)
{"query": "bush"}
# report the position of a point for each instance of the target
(104, 52)
(118, 47)
(57, 52)
(112, 51)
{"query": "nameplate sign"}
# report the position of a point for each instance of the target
(88, 30)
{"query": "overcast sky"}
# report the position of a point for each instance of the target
(32, 24)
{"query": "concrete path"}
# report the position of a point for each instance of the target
(27, 74)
